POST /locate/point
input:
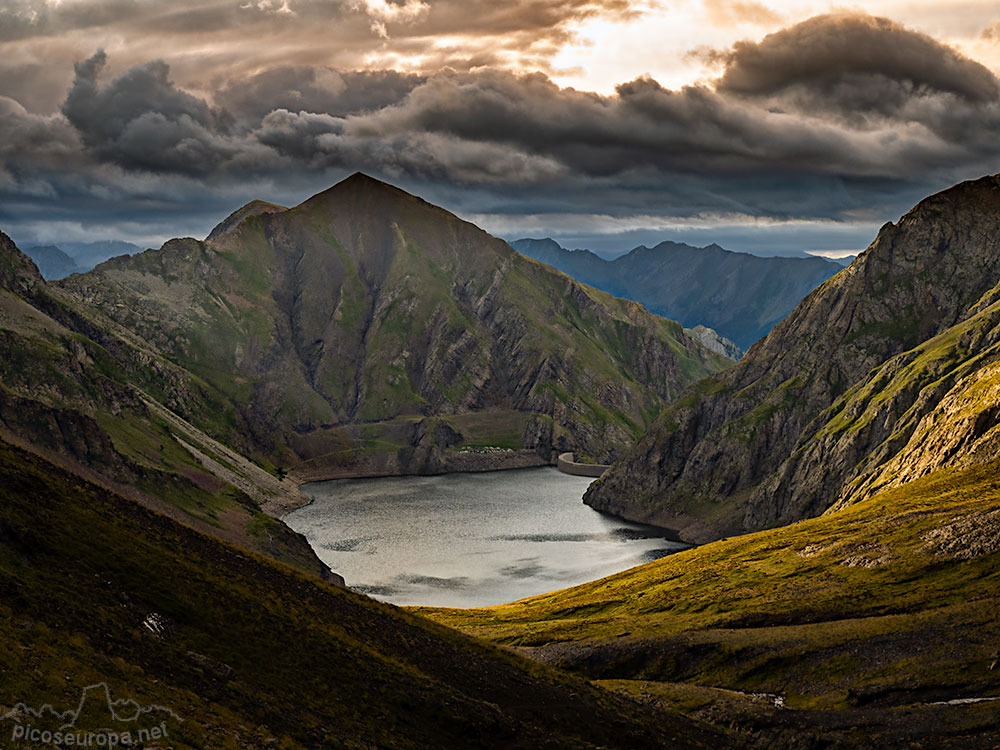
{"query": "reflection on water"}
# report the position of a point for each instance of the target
(467, 540)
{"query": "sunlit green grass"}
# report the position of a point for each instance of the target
(833, 610)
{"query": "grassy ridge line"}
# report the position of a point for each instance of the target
(893, 599)
(88, 398)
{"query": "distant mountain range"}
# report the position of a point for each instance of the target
(740, 296)
(57, 261)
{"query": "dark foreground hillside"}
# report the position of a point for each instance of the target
(234, 651)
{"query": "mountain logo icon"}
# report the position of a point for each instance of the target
(97, 719)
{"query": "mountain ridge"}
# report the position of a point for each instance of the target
(95, 400)
(739, 295)
(366, 327)
(738, 453)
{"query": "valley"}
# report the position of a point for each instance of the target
(840, 480)
(317, 434)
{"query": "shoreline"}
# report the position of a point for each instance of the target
(385, 466)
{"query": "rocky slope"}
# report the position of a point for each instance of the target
(880, 375)
(100, 403)
(366, 327)
(739, 295)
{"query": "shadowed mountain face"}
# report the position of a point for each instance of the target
(367, 306)
(740, 296)
(882, 374)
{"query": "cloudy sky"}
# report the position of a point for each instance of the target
(773, 126)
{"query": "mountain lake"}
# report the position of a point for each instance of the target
(469, 540)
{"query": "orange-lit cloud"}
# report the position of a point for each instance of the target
(735, 12)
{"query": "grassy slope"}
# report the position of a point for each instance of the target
(83, 395)
(253, 654)
(941, 399)
(893, 600)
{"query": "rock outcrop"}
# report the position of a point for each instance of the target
(716, 343)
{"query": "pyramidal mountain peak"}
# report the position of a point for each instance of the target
(365, 305)
(362, 187)
(359, 185)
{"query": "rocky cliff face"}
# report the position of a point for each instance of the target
(367, 306)
(739, 295)
(878, 375)
(716, 343)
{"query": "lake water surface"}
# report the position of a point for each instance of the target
(468, 540)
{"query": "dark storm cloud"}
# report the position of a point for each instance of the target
(854, 66)
(696, 130)
(23, 133)
(141, 120)
(314, 89)
(103, 113)
(840, 117)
